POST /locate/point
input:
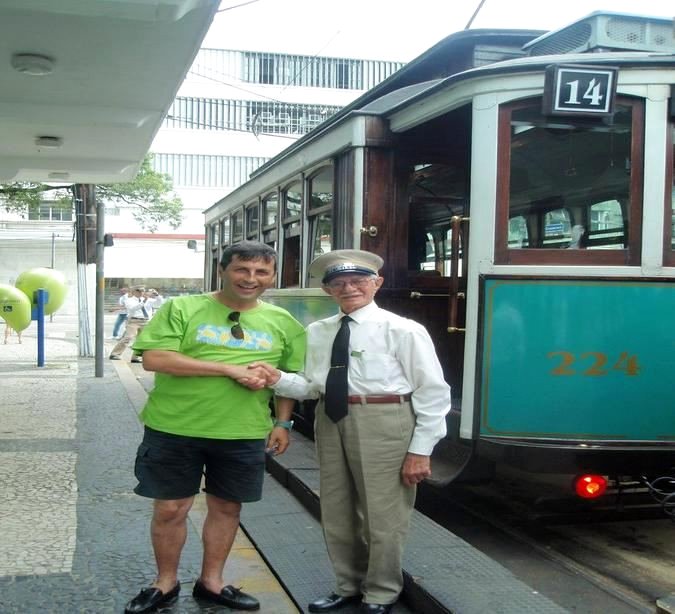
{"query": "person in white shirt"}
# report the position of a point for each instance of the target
(372, 458)
(153, 301)
(137, 317)
(121, 313)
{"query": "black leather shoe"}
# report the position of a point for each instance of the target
(113, 357)
(149, 599)
(332, 602)
(229, 596)
(376, 608)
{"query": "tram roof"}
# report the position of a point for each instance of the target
(86, 83)
(449, 62)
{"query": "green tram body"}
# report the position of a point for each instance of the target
(534, 242)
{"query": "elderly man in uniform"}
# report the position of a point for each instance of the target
(382, 408)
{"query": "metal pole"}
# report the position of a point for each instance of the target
(100, 283)
(51, 315)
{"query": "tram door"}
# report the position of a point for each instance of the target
(438, 236)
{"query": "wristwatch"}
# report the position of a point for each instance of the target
(284, 424)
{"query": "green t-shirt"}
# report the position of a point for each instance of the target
(217, 407)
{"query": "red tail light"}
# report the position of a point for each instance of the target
(590, 486)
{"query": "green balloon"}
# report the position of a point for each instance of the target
(15, 307)
(51, 280)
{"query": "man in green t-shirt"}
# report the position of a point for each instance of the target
(209, 413)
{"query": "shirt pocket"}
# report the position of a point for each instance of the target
(369, 366)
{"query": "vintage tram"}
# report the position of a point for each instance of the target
(519, 186)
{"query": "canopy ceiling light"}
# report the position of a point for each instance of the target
(32, 64)
(49, 142)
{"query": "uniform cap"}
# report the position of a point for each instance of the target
(341, 261)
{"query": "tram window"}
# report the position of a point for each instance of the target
(252, 221)
(569, 184)
(518, 235)
(320, 212)
(270, 238)
(438, 253)
(292, 200)
(215, 240)
(557, 231)
(237, 226)
(225, 231)
(606, 225)
(320, 227)
(270, 207)
(321, 189)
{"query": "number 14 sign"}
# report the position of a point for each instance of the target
(579, 90)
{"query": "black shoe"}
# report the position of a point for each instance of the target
(376, 608)
(149, 599)
(113, 357)
(136, 360)
(228, 596)
(332, 602)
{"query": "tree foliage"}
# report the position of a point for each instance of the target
(150, 195)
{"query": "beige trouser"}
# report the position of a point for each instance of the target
(365, 508)
(134, 326)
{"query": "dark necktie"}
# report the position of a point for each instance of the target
(145, 311)
(336, 382)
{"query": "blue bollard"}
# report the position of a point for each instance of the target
(40, 298)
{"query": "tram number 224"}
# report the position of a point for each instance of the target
(593, 364)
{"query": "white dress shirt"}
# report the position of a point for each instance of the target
(135, 307)
(388, 355)
(152, 304)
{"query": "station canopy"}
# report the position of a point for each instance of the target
(86, 83)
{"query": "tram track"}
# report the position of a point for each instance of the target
(596, 577)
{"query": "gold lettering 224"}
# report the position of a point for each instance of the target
(564, 367)
(628, 364)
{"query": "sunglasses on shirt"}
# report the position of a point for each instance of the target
(236, 331)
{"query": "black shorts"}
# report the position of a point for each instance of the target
(171, 467)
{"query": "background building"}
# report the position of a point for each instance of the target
(235, 110)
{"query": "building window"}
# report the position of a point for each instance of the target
(51, 213)
(312, 71)
(258, 116)
(194, 170)
(266, 69)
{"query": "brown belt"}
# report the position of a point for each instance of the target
(378, 398)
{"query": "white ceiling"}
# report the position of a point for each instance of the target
(117, 65)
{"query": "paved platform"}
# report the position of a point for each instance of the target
(76, 538)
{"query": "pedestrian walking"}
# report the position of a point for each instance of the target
(121, 310)
(137, 318)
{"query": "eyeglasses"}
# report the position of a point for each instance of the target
(236, 331)
(340, 284)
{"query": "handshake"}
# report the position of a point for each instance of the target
(256, 375)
